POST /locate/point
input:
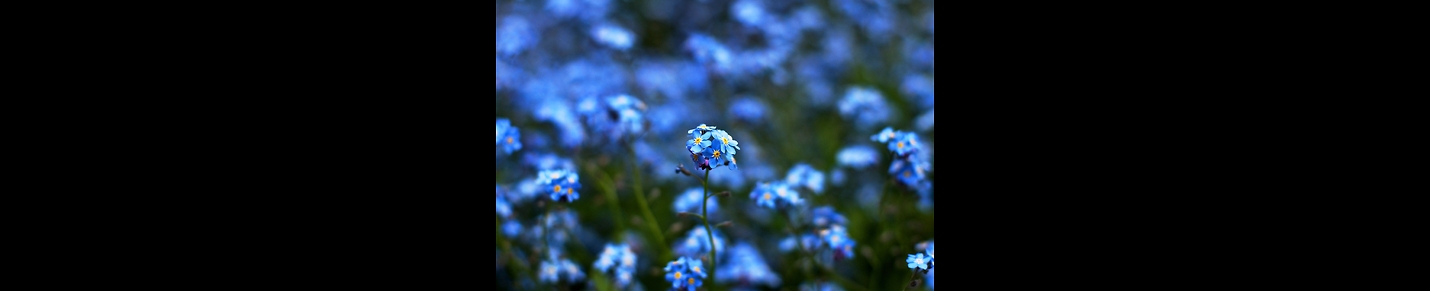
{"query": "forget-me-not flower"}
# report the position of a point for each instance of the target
(804, 175)
(562, 184)
(508, 137)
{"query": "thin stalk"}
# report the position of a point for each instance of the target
(709, 234)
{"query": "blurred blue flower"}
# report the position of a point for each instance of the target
(804, 175)
(620, 257)
(918, 88)
(613, 35)
(697, 244)
(710, 52)
(748, 12)
(511, 228)
(929, 277)
(690, 200)
(582, 9)
(744, 265)
(885, 136)
(824, 216)
(509, 137)
(857, 156)
(837, 176)
(748, 109)
(775, 195)
(549, 271)
(514, 35)
(909, 173)
(570, 271)
(820, 286)
(808, 240)
(925, 121)
(918, 261)
(837, 238)
(865, 106)
(905, 143)
(681, 275)
(503, 207)
(542, 160)
(563, 184)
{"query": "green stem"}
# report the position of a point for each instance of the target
(616, 206)
(709, 234)
(800, 242)
(650, 222)
(913, 277)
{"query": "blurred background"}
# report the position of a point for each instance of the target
(831, 103)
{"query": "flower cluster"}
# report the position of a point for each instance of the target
(685, 274)
(922, 261)
(613, 117)
(563, 270)
(710, 147)
(909, 162)
(837, 239)
(745, 265)
(690, 202)
(803, 175)
(696, 243)
(865, 105)
(563, 184)
(775, 195)
(620, 257)
(508, 137)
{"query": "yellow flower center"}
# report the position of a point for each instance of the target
(697, 140)
(558, 188)
(726, 140)
(697, 269)
(834, 239)
(568, 191)
(508, 140)
(767, 196)
(691, 281)
(901, 144)
(677, 275)
(717, 154)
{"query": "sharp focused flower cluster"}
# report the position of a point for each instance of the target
(508, 137)
(562, 184)
(775, 195)
(622, 259)
(710, 148)
(685, 274)
(745, 266)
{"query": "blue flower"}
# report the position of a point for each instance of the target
(918, 88)
(570, 271)
(748, 109)
(885, 136)
(690, 200)
(511, 228)
(563, 184)
(508, 137)
(608, 258)
(909, 173)
(918, 261)
(681, 275)
(514, 36)
(837, 238)
(748, 12)
(859, 156)
(825, 216)
(549, 271)
(775, 195)
(613, 35)
(809, 241)
(825, 286)
(865, 105)
(929, 278)
(710, 147)
(744, 264)
(708, 51)
(503, 207)
(804, 175)
(905, 143)
(696, 243)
